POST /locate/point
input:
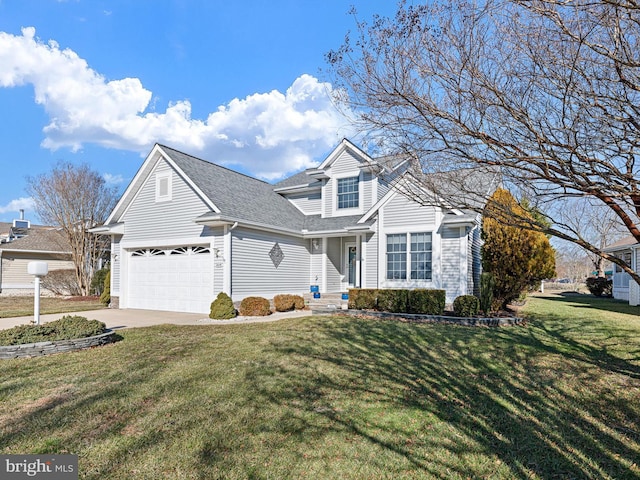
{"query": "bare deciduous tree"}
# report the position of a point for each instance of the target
(548, 91)
(75, 198)
(594, 223)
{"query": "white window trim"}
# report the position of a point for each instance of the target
(406, 282)
(343, 212)
(159, 178)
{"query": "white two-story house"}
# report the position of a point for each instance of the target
(186, 229)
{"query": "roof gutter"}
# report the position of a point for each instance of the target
(110, 229)
(298, 189)
(217, 220)
(54, 252)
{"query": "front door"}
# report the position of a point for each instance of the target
(350, 267)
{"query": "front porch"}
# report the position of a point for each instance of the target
(337, 263)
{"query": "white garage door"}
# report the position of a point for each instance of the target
(178, 279)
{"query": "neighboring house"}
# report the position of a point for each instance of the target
(39, 243)
(624, 288)
(186, 229)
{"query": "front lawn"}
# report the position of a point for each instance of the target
(340, 397)
(22, 306)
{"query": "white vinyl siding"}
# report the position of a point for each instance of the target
(147, 220)
(334, 259)
(315, 277)
(219, 257)
(474, 263)
(254, 272)
(401, 212)
(367, 190)
(116, 261)
(371, 262)
(346, 165)
(451, 280)
(634, 288)
(307, 203)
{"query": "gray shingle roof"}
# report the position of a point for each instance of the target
(314, 223)
(238, 195)
(298, 179)
(40, 240)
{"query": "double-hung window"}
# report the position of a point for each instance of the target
(397, 257)
(421, 256)
(417, 263)
(348, 193)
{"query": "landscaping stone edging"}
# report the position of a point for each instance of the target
(47, 348)
(418, 318)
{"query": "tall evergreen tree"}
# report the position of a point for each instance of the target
(518, 258)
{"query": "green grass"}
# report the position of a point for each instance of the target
(22, 306)
(341, 398)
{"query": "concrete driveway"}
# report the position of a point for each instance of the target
(129, 318)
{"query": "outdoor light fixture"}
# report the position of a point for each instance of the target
(38, 269)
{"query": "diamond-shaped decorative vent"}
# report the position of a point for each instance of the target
(276, 255)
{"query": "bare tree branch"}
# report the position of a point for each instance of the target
(547, 91)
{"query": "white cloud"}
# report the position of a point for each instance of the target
(111, 179)
(268, 134)
(24, 203)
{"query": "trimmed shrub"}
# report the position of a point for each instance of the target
(600, 286)
(61, 282)
(363, 298)
(68, 327)
(286, 302)
(222, 307)
(466, 306)
(255, 307)
(105, 296)
(487, 284)
(392, 300)
(427, 301)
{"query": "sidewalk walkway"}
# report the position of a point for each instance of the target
(130, 318)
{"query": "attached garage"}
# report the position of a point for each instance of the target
(178, 279)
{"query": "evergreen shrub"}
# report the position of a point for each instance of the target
(427, 301)
(600, 286)
(487, 284)
(466, 306)
(222, 307)
(393, 300)
(363, 298)
(68, 327)
(105, 296)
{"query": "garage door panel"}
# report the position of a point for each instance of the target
(180, 281)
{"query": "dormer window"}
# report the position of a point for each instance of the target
(348, 194)
(163, 187)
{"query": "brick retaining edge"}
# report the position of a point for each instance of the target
(40, 349)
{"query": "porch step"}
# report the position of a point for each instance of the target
(327, 301)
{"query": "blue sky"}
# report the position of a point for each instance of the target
(99, 82)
